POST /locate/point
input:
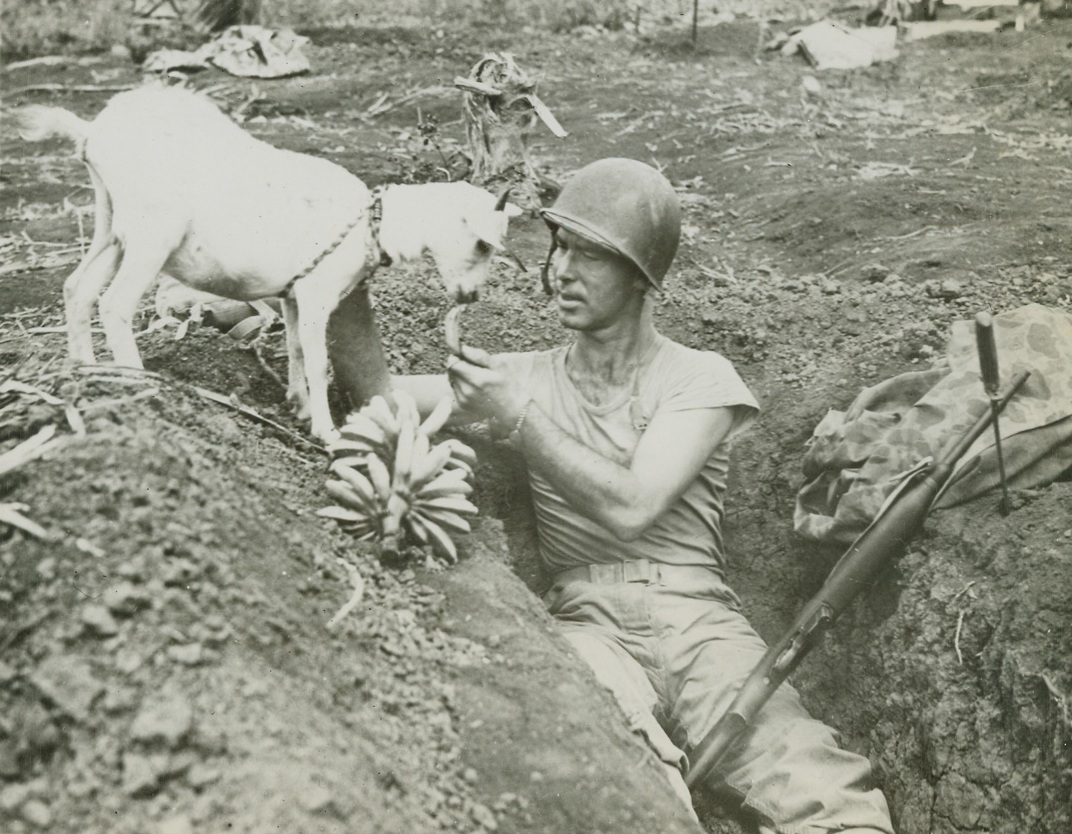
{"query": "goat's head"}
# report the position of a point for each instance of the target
(463, 228)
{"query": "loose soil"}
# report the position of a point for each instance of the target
(165, 663)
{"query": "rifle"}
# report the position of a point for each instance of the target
(884, 540)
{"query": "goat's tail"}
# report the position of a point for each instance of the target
(37, 123)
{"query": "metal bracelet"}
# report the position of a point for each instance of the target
(521, 417)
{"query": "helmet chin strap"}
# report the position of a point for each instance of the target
(545, 272)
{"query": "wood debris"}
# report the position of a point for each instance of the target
(12, 515)
(358, 585)
(34, 447)
(501, 107)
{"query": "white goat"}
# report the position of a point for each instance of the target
(180, 189)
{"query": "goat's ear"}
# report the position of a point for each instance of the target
(492, 241)
(502, 205)
(487, 228)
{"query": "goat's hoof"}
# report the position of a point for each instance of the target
(328, 436)
(302, 411)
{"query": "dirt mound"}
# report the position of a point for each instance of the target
(165, 663)
(957, 663)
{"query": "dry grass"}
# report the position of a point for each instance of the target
(41, 27)
(557, 15)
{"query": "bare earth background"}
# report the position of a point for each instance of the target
(165, 664)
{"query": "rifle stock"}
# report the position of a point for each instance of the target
(884, 540)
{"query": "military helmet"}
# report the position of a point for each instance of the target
(625, 206)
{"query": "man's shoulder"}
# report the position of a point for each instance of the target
(683, 377)
(676, 355)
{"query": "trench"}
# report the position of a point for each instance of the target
(949, 674)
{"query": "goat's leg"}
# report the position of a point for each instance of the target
(84, 285)
(142, 261)
(297, 385)
(356, 349)
(313, 316)
(80, 293)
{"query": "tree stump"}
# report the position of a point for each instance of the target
(216, 15)
(501, 108)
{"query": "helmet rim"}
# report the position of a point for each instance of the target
(625, 206)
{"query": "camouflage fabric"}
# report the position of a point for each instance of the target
(856, 458)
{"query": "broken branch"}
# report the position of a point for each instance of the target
(358, 585)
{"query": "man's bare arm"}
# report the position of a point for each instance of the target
(428, 390)
(624, 497)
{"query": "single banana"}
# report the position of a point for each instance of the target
(449, 520)
(435, 421)
(453, 473)
(461, 452)
(441, 541)
(360, 426)
(447, 482)
(404, 454)
(416, 528)
(347, 496)
(460, 466)
(444, 490)
(380, 477)
(379, 410)
(451, 503)
(397, 507)
(452, 331)
(360, 528)
(352, 461)
(429, 466)
(352, 445)
(406, 407)
(342, 514)
(420, 452)
(361, 485)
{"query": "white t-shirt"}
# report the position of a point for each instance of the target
(672, 377)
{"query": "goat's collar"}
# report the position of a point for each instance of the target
(375, 221)
(374, 253)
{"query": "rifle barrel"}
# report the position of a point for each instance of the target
(959, 446)
(883, 541)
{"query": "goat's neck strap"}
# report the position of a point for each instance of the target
(376, 254)
(375, 221)
(289, 288)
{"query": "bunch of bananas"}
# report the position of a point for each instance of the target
(392, 485)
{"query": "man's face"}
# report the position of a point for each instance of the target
(594, 287)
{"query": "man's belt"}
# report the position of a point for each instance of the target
(642, 571)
